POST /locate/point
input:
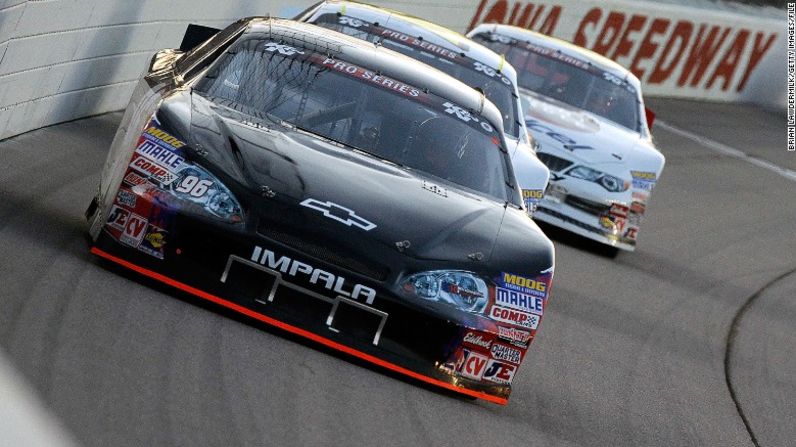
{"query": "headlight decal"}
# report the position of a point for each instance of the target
(607, 181)
(463, 290)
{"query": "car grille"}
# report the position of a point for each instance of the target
(324, 254)
(570, 220)
(552, 162)
(587, 206)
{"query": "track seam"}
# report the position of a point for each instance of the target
(728, 350)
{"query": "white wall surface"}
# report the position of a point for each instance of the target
(65, 59)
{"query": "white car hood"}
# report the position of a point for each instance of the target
(588, 139)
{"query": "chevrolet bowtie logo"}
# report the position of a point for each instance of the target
(339, 213)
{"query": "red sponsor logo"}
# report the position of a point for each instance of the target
(618, 215)
(512, 316)
(134, 179)
(153, 170)
(514, 335)
(472, 365)
(477, 340)
(134, 230)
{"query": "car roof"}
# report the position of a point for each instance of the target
(526, 35)
(376, 58)
(415, 26)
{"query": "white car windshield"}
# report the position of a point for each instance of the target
(569, 80)
(361, 109)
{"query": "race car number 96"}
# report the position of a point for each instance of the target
(193, 186)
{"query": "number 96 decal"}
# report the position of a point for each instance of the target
(194, 186)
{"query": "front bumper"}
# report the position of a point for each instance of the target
(216, 262)
(615, 225)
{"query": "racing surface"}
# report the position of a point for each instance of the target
(632, 351)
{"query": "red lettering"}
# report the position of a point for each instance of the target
(613, 24)
(477, 15)
(681, 35)
(758, 52)
(535, 17)
(648, 47)
(701, 55)
(522, 21)
(625, 44)
(134, 227)
(475, 365)
(496, 14)
(514, 12)
(591, 18)
(550, 23)
(729, 63)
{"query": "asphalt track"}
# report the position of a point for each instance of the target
(634, 351)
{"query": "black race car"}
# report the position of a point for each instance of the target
(336, 190)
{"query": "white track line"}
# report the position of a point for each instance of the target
(729, 151)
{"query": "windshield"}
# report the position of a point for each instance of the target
(570, 80)
(361, 109)
(497, 88)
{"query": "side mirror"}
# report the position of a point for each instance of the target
(164, 59)
(650, 118)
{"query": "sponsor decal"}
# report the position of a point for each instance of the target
(329, 281)
(350, 21)
(134, 179)
(638, 208)
(466, 116)
(514, 335)
(477, 340)
(506, 353)
(566, 142)
(491, 72)
(339, 213)
(618, 215)
(519, 283)
(154, 242)
(117, 218)
(649, 176)
(499, 372)
(606, 222)
(134, 230)
(511, 316)
(367, 75)
(471, 364)
(644, 181)
(285, 50)
(153, 170)
(127, 198)
(162, 138)
(519, 300)
(532, 197)
(160, 155)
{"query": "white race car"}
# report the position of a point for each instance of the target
(588, 116)
(455, 55)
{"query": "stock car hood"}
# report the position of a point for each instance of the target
(587, 139)
(277, 169)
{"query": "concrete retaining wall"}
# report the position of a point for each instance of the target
(65, 59)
